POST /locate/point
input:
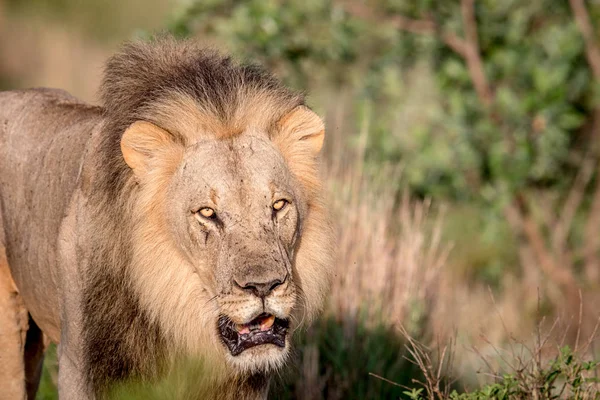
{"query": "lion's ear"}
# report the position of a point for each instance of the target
(302, 128)
(142, 144)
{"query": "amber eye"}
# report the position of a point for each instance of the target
(207, 212)
(279, 204)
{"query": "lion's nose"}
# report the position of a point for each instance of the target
(260, 289)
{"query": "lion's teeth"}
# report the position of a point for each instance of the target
(267, 323)
(242, 329)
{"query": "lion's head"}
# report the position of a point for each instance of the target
(230, 244)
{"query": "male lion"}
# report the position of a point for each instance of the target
(182, 218)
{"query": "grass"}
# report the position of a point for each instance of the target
(47, 389)
(335, 360)
(342, 359)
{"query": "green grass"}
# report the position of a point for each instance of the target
(335, 358)
(47, 389)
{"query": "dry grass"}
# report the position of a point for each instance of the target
(389, 256)
(390, 249)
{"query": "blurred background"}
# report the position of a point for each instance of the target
(462, 163)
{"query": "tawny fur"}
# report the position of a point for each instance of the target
(120, 276)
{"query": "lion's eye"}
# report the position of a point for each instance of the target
(207, 212)
(279, 204)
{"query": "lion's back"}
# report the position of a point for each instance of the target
(32, 120)
(43, 134)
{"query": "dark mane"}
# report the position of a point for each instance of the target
(143, 74)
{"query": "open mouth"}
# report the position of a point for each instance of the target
(263, 329)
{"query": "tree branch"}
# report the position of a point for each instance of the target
(592, 238)
(592, 51)
(425, 26)
(468, 48)
(472, 56)
(518, 213)
(564, 222)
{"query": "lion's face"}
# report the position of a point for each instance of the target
(236, 213)
(231, 254)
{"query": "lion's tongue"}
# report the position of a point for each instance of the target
(263, 322)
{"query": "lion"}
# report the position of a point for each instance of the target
(184, 217)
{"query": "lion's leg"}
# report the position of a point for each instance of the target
(13, 328)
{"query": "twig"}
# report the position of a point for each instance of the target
(540, 346)
(579, 322)
(387, 380)
(422, 359)
(538, 330)
(499, 354)
(497, 310)
(491, 375)
(487, 363)
(592, 336)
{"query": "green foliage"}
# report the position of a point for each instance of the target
(534, 59)
(298, 37)
(414, 394)
(567, 376)
(532, 54)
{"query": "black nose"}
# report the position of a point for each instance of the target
(261, 289)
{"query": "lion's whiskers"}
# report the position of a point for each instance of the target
(211, 299)
(299, 296)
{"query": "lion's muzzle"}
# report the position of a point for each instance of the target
(256, 305)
